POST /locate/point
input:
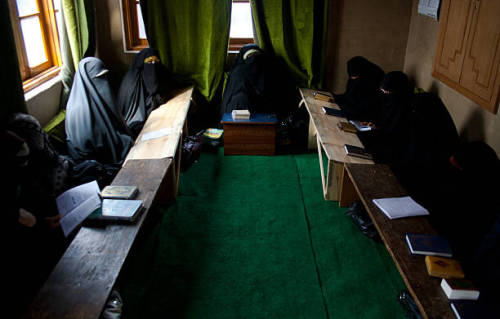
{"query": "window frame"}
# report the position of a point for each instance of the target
(34, 76)
(131, 26)
(235, 44)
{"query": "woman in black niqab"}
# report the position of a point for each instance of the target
(388, 141)
(141, 90)
(95, 129)
(362, 96)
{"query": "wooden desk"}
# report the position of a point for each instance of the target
(81, 282)
(378, 181)
(331, 140)
(171, 116)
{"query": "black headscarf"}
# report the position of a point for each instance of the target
(258, 82)
(95, 129)
(362, 96)
(142, 89)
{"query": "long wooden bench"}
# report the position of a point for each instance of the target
(81, 282)
(378, 181)
(330, 141)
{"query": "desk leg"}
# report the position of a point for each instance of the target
(333, 172)
(311, 140)
(348, 194)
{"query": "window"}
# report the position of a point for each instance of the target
(135, 32)
(135, 35)
(241, 31)
(37, 42)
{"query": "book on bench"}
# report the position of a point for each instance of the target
(119, 192)
(333, 112)
(459, 289)
(400, 207)
(431, 245)
(357, 151)
(119, 210)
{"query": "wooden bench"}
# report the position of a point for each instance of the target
(330, 140)
(81, 282)
(378, 181)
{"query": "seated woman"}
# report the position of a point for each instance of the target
(142, 90)
(389, 137)
(362, 96)
(258, 82)
(95, 128)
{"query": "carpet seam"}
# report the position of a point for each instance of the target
(311, 241)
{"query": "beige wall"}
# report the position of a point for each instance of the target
(472, 121)
(110, 40)
(377, 30)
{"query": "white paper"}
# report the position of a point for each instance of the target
(399, 207)
(71, 198)
(429, 8)
(74, 218)
(76, 204)
(157, 134)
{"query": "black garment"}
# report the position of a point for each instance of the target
(362, 96)
(142, 90)
(42, 173)
(259, 83)
(388, 142)
(95, 128)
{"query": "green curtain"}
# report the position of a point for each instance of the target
(12, 95)
(192, 39)
(294, 30)
(77, 39)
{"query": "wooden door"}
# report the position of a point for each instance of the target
(453, 29)
(480, 71)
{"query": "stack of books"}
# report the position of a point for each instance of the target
(240, 114)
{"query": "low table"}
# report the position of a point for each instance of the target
(255, 136)
(331, 140)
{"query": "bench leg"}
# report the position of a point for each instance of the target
(348, 194)
(330, 182)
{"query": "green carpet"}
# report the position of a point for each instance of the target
(252, 237)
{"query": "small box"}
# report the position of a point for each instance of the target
(254, 136)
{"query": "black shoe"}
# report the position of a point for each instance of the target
(361, 219)
(411, 308)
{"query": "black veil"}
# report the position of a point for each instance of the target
(94, 127)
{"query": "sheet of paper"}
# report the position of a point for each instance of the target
(399, 207)
(74, 218)
(429, 8)
(70, 199)
(156, 134)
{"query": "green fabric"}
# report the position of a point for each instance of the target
(252, 237)
(294, 30)
(12, 95)
(192, 38)
(77, 39)
(55, 127)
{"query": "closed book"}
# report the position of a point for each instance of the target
(323, 96)
(431, 245)
(120, 210)
(400, 207)
(347, 127)
(469, 309)
(456, 288)
(357, 151)
(333, 112)
(443, 267)
(119, 192)
(360, 126)
(240, 114)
